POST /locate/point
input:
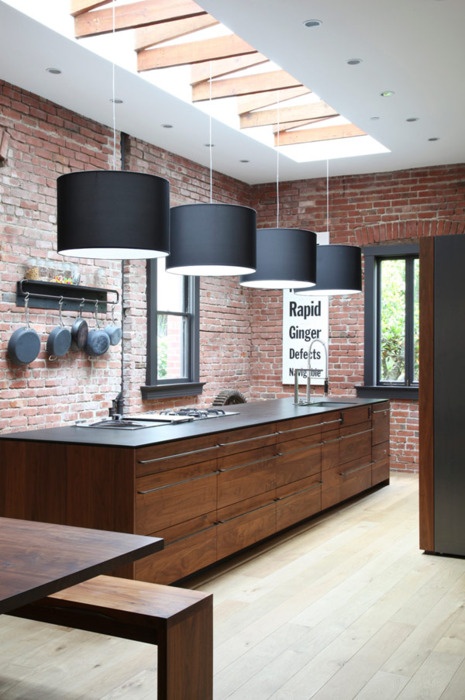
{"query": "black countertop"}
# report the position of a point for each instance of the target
(248, 415)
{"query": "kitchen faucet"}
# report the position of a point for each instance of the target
(309, 368)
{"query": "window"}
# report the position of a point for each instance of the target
(172, 333)
(392, 275)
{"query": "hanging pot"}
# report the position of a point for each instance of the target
(79, 331)
(59, 340)
(114, 334)
(113, 331)
(98, 341)
(24, 344)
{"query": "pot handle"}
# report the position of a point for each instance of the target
(26, 309)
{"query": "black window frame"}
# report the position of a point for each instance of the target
(373, 388)
(171, 388)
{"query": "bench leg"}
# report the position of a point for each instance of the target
(185, 656)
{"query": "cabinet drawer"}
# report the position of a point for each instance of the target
(355, 445)
(298, 459)
(254, 474)
(381, 424)
(162, 506)
(380, 465)
(298, 501)
(180, 559)
(235, 441)
(245, 530)
(352, 416)
(294, 427)
(343, 482)
(170, 455)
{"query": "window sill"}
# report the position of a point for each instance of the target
(164, 391)
(388, 392)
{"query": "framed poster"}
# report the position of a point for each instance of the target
(305, 331)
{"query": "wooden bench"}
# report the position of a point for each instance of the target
(179, 621)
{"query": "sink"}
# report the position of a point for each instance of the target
(331, 404)
(328, 404)
(123, 424)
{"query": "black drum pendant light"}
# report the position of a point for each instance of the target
(212, 239)
(286, 258)
(338, 267)
(338, 271)
(113, 214)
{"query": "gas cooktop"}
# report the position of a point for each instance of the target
(189, 413)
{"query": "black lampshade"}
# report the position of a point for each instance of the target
(113, 214)
(338, 271)
(286, 258)
(212, 239)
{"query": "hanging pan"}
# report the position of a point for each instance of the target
(98, 341)
(112, 330)
(59, 340)
(79, 331)
(24, 344)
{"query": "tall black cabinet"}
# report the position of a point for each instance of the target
(442, 395)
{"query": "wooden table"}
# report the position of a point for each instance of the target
(38, 559)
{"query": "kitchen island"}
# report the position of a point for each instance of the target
(209, 488)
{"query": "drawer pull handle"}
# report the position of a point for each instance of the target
(248, 464)
(348, 472)
(178, 454)
(175, 483)
(240, 442)
(352, 435)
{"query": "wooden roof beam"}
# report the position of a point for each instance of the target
(139, 14)
(225, 66)
(192, 52)
(324, 133)
(158, 33)
(270, 117)
(80, 6)
(244, 85)
(300, 123)
(251, 102)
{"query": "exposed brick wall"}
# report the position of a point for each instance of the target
(45, 142)
(398, 207)
(241, 328)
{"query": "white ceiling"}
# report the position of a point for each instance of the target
(414, 47)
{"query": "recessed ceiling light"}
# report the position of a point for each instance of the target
(412, 119)
(244, 160)
(313, 23)
(374, 119)
(53, 71)
(434, 138)
(210, 145)
(167, 126)
(387, 93)
(354, 61)
(116, 100)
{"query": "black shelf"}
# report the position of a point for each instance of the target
(48, 295)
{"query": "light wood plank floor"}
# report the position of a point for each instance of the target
(343, 607)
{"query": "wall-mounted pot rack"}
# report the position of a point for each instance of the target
(48, 295)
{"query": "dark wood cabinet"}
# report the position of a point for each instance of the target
(442, 385)
(208, 496)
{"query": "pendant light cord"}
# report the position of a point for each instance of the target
(277, 161)
(210, 144)
(327, 196)
(113, 80)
